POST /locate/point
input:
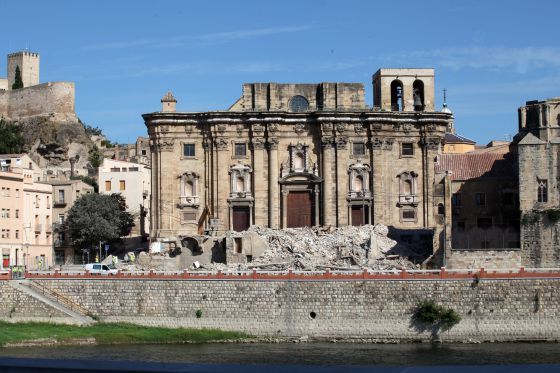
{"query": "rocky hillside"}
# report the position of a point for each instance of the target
(52, 143)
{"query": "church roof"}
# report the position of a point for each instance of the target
(475, 165)
(451, 138)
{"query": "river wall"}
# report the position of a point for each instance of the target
(491, 310)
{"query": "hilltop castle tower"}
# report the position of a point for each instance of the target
(28, 63)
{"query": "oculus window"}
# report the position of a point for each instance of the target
(299, 104)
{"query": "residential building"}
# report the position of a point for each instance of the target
(133, 181)
(11, 218)
(65, 194)
(26, 219)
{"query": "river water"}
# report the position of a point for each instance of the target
(312, 355)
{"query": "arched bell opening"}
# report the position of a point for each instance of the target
(418, 95)
(397, 94)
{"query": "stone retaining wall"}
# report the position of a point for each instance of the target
(492, 310)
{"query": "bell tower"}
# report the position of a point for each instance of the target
(28, 63)
(404, 89)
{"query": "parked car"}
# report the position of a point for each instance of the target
(102, 269)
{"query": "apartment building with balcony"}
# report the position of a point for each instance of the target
(25, 218)
(11, 218)
(65, 193)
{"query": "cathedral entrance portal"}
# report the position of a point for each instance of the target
(241, 218)
(300, 209)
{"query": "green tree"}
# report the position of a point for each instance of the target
(18, 83)
(98, 217)
(11, 139)
(95, 157)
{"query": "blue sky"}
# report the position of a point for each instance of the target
(492, 56)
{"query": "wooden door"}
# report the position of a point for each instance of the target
(241, 218)
(300, 209)
(357, 215)
(360, 215)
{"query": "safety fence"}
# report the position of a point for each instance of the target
(441, 274)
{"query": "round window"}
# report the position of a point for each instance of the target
(299, 104)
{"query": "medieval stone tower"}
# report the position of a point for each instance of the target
(28, 63)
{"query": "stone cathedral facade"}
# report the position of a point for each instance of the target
(294, 155)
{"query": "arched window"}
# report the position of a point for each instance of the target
(299, 104)
(358, 183)
(418, 95)
(397, 95)
(440, 209)
(299, 161)
(240, 184)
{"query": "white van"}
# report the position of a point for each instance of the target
(102, 269)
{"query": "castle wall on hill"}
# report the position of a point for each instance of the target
(491, 309)
(55, 99)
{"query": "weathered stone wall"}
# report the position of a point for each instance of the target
(488, 259)
(492, 310)
(540, 242)
(54, 99)
(17, 306)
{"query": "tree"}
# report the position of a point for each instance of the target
(18, 83)
(95, 157)
(11, 139)
(98, 217)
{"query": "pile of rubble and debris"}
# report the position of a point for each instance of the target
(319, 248)
(307, 249)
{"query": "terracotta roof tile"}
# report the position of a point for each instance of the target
(474, 165)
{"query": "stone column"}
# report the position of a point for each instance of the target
(260, 182)
(273, 196)
(284, 208)
(328, 183)
(341, 180)
(317, 198)
(222, 183)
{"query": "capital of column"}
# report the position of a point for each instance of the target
(273, 143)
(327, 141)
(258, 143)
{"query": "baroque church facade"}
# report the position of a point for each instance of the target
(295, 155)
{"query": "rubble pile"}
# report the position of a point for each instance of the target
(320, 248)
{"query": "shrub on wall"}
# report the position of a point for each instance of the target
(433, 315)
(553, 215)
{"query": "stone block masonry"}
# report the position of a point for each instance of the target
(54, 99)
(491, 310)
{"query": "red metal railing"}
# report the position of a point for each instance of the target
(442, 274)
